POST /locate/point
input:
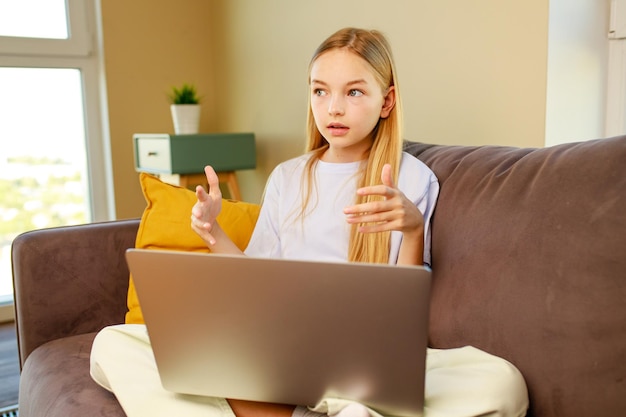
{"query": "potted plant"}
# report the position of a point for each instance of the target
(185, 108)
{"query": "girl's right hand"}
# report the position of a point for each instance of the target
(204, 212)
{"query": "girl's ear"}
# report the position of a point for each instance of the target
(390, 101)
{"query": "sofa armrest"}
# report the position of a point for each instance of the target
(70, 280)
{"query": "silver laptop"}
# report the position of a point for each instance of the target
(286, 331)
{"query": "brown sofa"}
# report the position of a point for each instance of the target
(529, 261)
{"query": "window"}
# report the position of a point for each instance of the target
(34, 19)
(54, 158)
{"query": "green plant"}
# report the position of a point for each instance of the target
(186, 94)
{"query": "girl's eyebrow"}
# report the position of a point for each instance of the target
(349, 83)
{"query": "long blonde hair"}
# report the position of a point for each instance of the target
(386, 148)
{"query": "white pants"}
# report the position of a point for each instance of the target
(460, 382)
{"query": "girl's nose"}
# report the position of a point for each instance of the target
(336, 106)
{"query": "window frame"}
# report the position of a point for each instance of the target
(81, 51)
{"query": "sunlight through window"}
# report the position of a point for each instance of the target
(33, 19)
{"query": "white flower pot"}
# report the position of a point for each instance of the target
(186, 118)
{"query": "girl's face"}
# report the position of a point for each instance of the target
(347, 103)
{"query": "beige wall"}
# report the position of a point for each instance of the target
(149, 46)
(470, 73)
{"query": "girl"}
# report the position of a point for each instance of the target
(339, 201)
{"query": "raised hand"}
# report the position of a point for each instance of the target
(204, 212)
(394, 212)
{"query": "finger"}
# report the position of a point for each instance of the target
(381, 190)
(213, 181)
(373, 223)
(203, 233)
(376, 228)
(201, 194)
(371, 207)
(196, 211)
(367, 219)
(386, 176)
(198, 224)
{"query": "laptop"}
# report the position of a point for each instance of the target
(286, 331)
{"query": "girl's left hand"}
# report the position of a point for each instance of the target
(394, 212)
(204, 213)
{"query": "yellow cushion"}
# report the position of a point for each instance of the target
(165, 225)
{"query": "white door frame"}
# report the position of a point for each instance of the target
(616, 79)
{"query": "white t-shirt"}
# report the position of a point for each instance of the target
(323, 234)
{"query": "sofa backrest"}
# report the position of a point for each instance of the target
(529, 263)
(70, 280)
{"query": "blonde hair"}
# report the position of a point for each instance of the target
(371, 46)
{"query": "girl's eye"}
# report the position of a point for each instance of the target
(355, 93)
(319, 92)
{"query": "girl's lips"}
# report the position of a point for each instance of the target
(337, 129)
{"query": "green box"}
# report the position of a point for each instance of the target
(162, 153)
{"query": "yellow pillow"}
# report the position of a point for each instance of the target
(165, 225)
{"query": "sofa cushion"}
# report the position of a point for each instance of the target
(165, 225)
(55, 382)
(529, 261)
